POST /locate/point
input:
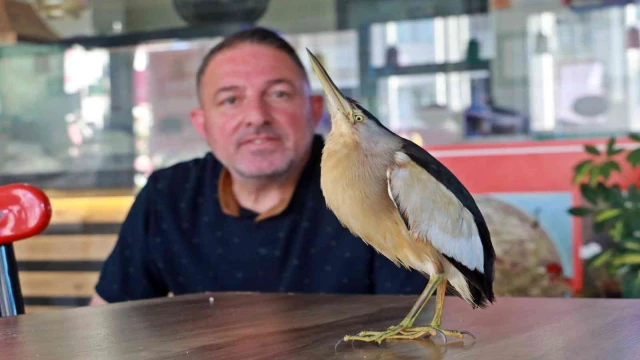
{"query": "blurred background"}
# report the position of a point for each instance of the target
(95, 95)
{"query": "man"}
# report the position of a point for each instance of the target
(250, 215)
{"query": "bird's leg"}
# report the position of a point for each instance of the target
(416, 332)
(404, 330)
(432, 285)
(437, 317)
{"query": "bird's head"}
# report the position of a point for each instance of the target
(348, 117)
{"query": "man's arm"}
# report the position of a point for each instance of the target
(129, 272)
(97, 300)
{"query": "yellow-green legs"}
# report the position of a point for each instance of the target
(434, 327)
(405, 330)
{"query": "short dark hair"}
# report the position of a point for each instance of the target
(254, 35)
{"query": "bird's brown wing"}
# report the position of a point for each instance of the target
(435, 211)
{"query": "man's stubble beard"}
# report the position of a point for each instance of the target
(274, 173)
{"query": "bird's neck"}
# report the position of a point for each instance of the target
(340, 136)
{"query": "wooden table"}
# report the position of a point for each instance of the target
(281, 326)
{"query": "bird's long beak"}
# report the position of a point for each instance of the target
(337, 102)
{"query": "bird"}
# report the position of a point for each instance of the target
(398, 198)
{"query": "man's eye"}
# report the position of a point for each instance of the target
(230, 100)
(280, 94)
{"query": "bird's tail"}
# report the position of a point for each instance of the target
(480, 285)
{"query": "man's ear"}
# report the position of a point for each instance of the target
(197, 119)
(317, 107)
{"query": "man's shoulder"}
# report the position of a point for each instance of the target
(186, 170)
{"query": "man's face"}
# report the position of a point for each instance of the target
(256, 112)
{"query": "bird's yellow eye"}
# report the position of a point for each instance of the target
(358, 118)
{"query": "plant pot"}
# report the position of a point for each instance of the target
(630, 282)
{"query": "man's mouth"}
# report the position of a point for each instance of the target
(259, 140)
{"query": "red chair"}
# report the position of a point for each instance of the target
(25, 211)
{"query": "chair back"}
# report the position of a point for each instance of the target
(25, 211)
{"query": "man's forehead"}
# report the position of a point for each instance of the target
(246, 62)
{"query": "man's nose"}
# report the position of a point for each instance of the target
(257, 112)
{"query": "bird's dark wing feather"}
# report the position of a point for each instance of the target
(481, 282)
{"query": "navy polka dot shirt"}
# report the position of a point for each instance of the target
(177, 239)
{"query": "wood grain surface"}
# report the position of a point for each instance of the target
(282, 326)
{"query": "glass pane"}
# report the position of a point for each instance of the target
(58, 126)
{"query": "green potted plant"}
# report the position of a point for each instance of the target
(614, 208)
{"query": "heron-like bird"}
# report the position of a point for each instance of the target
(401, 200)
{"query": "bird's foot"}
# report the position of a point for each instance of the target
(400, 332)
(393, 332)
(418, 332)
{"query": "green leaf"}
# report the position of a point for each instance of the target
(610, 145)
(605, 171)
(608, 214)
(589, 192)
(634, 157)
(595, 172)
(601, 258)
(599, 227)
(581, 170)
(612, 195)
(634, 137)
(602, 191)
(616, 231)
(580, 211)
(612, 149)
(631, 245)
(627, 259)
(634, 193)
(614, 166)
(608, 167)
(591, 149)
(633, 223)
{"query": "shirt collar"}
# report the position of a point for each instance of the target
(230, 206)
